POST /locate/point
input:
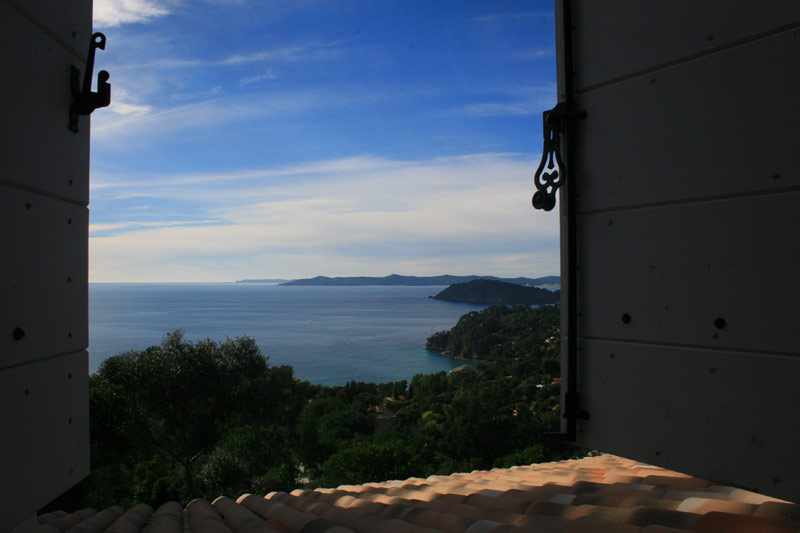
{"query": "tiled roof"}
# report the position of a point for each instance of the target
(595, 494)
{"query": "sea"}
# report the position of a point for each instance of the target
(330, 335)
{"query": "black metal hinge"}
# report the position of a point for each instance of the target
(552, 172)
(84, 100)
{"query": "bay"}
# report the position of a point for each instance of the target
(330, 335)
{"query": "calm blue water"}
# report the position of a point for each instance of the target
(328, 334)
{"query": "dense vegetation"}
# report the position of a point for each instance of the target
(182, 419)
(487, 291)
(507, 336)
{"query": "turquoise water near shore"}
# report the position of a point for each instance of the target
(328, 334)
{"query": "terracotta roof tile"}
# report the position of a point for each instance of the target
(98, 522)
(68, 521)
(680, 495)
(240, 519)
(167, 519)
(365, 522)
(552, 523)
(746, 496)
(344, 517)
(417, 516)
(720, 488)
(295, 520)
(591, 499)
(468, 511)
(649, 502)
(610, 514)
(589, 524)
(645, 516)
(494, 502)
(47, 517)
(393, 526)
(488, 526)
(203, 517)
(621, 478)
(553, 488)
(604, 493)
(782, 512)
(706, 505)
(318, 508)
(715, 522)
(549, 509)
(131, 521)
(451, 522)
(370, 507)
(503, 516)
(391, 511)
(662, 529)
(623, 490)
(676, 482)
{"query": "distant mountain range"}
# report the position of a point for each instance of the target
(271, 281)
(488, 291)
(396, 279)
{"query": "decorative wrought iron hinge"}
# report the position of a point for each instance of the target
(552, 172)
(84, 100)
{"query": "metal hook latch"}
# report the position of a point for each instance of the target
(84, 100)
(554, 123)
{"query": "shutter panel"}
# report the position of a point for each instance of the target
(44, 192)
(687, 209)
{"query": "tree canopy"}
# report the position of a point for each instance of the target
(182, 420)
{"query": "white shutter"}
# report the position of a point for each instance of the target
(44, 192)
(687, 175)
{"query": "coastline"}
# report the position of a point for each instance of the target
(443, 354)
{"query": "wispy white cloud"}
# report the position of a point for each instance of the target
(154, 89)
(153, 98)
(152, 123)
(430, 214)
(164, 63)
(511, 101)
(109, 13)
(499, 109)
(347, 166)
(94, 229)
(124, 104)
(269, 75)
(514, 16)
(532, 54)
(300, 52)
(311, 51)
(122, 108)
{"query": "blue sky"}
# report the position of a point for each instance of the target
(293, 138)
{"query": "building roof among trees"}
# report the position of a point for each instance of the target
(593, 494)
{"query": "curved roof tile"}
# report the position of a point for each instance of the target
(604, 493)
